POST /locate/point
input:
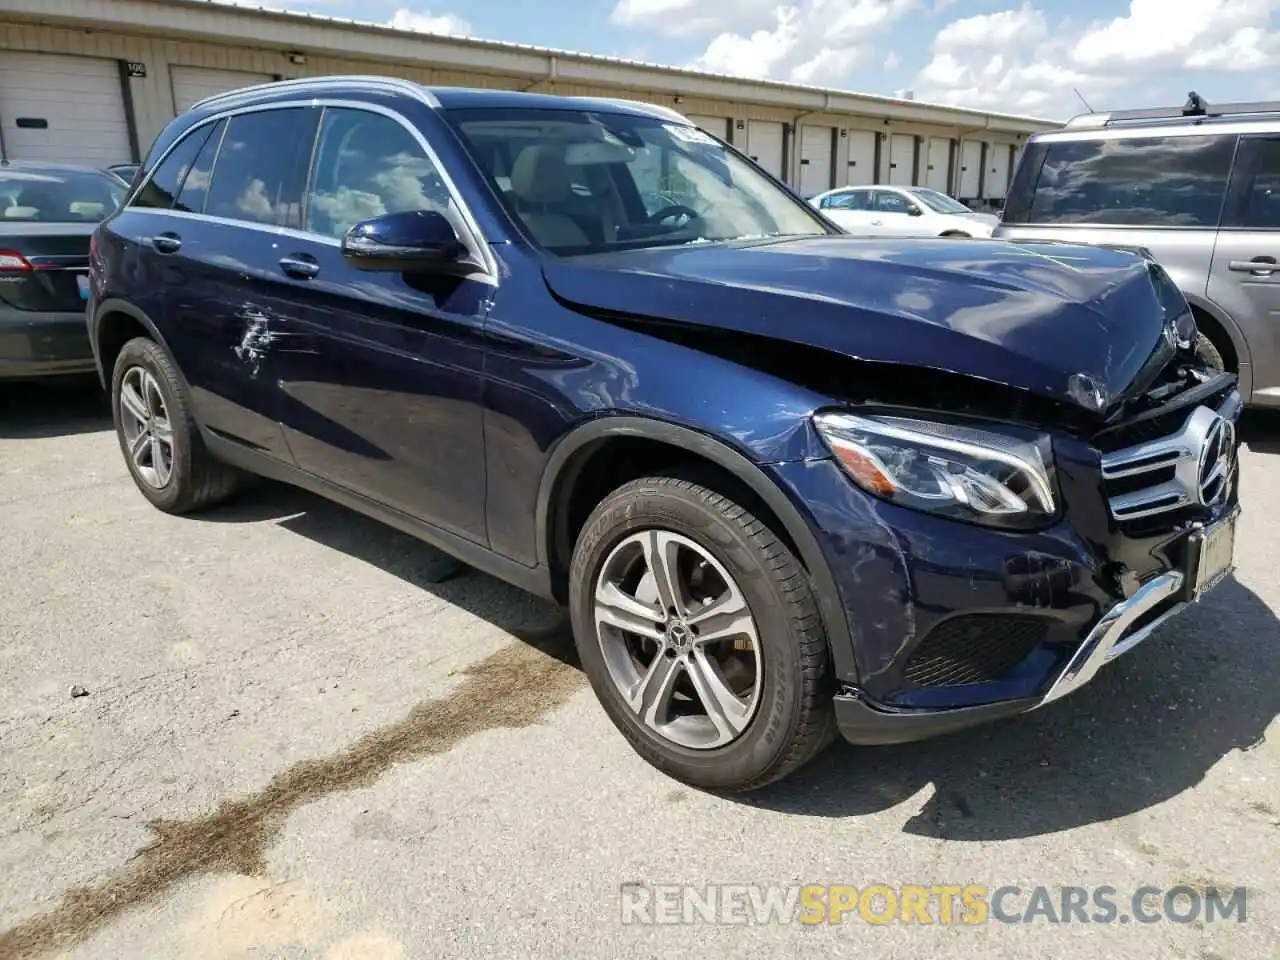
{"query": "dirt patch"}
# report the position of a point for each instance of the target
(512, 688)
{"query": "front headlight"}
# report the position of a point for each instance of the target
(957, 471)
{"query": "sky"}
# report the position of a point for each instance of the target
(1026, 58)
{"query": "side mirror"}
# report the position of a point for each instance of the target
(421, 241)
(914, 211)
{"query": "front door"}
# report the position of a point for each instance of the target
(1245, 277)
(380, 373)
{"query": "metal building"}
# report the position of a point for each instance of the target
(96, 80)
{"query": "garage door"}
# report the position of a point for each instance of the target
(861, 165)
(62, 108)
(970, 169)
(764, 145)
(938, 170)
(716, 126)
(997, 172)
(191, 84)
(815, 159)
(902, 158)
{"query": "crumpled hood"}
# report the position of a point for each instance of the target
(1073, 323)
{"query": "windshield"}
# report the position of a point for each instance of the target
(939, 202)
(58, 196)
(583, 182)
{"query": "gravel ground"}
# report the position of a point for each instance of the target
(294, 744)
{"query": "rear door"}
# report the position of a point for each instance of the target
(1245, 277)
(206, 254)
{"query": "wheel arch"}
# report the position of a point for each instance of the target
(1222, 330)
(103, 334)
(573, 452)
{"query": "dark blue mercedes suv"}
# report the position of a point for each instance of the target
(788, 481)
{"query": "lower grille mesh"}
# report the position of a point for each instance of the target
(977, 648)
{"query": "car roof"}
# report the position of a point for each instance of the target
(436, 97)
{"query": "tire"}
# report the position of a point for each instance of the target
(793, 717)
(194, 480)
(955, 235)
(1209, 354)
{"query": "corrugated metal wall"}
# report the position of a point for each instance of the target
(153, 103)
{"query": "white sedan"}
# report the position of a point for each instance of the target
(885, 211)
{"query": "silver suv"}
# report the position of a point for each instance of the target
(1198, 187)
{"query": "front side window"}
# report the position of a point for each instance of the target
(585, 182)
(889, 202)
(55, 195)
(1146, 181)
(1257, 205)
(162, 186)
(367, 165)
(261, 166)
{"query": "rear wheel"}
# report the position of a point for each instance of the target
(158, 436)
(700, 635)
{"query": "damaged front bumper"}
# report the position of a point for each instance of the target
(1125, 625)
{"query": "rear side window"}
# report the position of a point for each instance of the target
(1148, 181)
(261, 168)
(195, 187)
(854, 200)
(159, 191)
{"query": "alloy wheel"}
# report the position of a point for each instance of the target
(144, 422)
(678, 639)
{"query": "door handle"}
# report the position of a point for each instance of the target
(1262, 266)
(166, 242)
(300, 265)
(877, 223)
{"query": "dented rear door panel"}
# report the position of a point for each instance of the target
(214, 316)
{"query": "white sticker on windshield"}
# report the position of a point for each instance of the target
(690, 134)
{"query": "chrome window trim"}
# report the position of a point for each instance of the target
(476, 239)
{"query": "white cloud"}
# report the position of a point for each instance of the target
(891, 62)
(806, 41)
(444, 24)
(1021, 60)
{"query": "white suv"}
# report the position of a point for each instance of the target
(885, 211)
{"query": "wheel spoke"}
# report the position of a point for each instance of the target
(131, 399)
(729, 714)
(660, 550)
(137, 445)
(151, 395)
(158, 462)
(616, 608)
(727, 617)
(650, 697)
(162, 430)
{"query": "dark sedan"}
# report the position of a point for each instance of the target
(47, 214)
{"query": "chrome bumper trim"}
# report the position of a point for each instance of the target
(1110, 637)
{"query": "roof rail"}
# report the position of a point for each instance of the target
(1195, 108)
(304, 83)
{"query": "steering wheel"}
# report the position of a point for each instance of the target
(675, 210)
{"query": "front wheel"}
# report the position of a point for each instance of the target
(700, 635)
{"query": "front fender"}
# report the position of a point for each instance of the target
(573, 450)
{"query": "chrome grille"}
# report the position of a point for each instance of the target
(1190, 467)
